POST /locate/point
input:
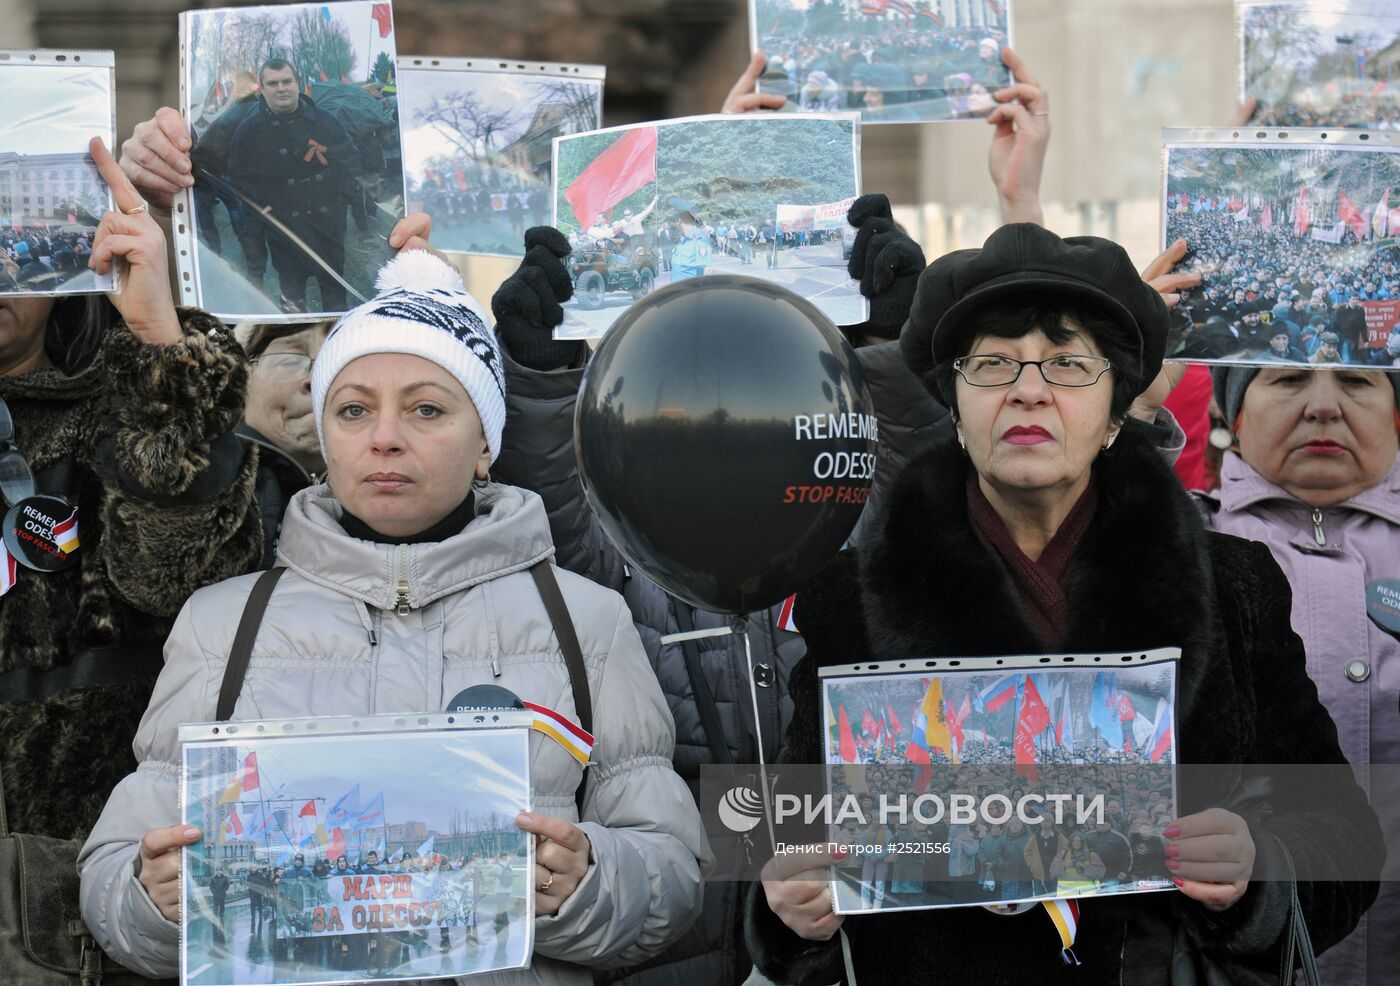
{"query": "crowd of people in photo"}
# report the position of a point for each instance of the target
(888, 75)
(898, 859)
(504, 197)
(1270, 292)
(37, 258)
(400, 488)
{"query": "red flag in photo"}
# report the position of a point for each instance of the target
(1126, 712)
(1301, 219)
(846, 746)
(234, 826)
(1352, 216)
(1033, 718)
(308, 810)
(893, 720)
(629, 164)
(1266, 221)
(336, 847)
(867, 722)
(384, 18)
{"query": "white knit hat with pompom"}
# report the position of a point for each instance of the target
(422, 309)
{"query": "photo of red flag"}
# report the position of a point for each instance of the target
(846, 746)
(629, 164)
(307, 810)
(1352, 216)
(1301, 219)
(1126, 712)
(1033, 718)
(383, 17)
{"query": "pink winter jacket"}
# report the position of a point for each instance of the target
(1330, 556)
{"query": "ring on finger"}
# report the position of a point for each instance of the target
(544, 887)
(143, 207)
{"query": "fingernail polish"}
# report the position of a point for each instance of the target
(1172, 850)
(1171, 831)
(1178, 883)
(1173, 864)
(838, 855)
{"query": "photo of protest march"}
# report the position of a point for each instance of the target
(652, 205)
(894, 61)
(51, 196)
(1322, 63)
(478, 147)
(297, 167)
(1299, 246)
(1012, 743)
(356, 858)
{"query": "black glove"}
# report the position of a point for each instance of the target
(886, 262)
(527, 305)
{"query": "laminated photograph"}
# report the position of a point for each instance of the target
(763, 195)
(1321, 63)
(51, 196)
(1295, 235)
(893, 61)
(338, 850)
(478, 144)
(298, 173)
(1000, 781)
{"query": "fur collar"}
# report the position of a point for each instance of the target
(1140, 578)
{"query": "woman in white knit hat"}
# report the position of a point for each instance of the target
(408, 578)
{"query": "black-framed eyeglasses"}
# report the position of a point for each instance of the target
(1064, 370)
(290, 364)
(16, 478)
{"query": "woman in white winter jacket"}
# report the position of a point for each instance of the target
(408, 581)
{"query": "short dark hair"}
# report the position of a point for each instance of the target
(1009, 318)
(277, 64)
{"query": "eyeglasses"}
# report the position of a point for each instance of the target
(16, 478)
(287, 364)
(1064, 370)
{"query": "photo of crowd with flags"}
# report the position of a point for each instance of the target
(297, 164)
(1316, 63)
(307, 876)
(761, 195)
(896, 61)
(1082, 732)
(478, 148)
(1299, 247)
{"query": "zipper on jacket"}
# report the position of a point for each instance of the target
(1318, 534)
(401, 590)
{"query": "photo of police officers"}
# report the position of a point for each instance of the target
(295, 139)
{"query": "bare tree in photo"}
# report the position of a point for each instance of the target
(467, 122)
(321, 49)
(577, 100)
(248, 42)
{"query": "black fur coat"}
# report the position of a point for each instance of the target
(1146, 574)
(165, 505)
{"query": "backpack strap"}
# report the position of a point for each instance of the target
(242, 650)
(699, 688)
(548, 587)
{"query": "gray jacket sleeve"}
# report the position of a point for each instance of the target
(643, 890)
(537, 454)
(115, 906)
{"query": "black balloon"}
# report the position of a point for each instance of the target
(726, 439)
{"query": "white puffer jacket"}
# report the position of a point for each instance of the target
(474, 617)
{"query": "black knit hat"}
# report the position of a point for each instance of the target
(1028, 261)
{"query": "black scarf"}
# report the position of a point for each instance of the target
(449, 526)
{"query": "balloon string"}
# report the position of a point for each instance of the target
(740, 627)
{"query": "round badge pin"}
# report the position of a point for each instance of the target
(1383, 604)
(41, 532)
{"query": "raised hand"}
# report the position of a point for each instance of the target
(529, 303)
(1017, 155)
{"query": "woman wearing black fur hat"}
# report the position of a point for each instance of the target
(1045, 527)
